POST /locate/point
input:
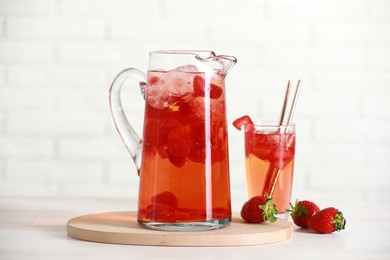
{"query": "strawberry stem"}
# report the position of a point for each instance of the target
(297, 210)
(339, 221)
(269, 209)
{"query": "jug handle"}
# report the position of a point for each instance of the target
(130, 138)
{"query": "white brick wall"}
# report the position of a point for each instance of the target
(58, 58)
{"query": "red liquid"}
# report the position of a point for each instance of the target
(185, 165)
(269, 155)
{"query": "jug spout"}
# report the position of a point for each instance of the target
(222, 63)
(227, 62)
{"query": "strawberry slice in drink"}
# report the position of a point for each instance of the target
(178, 161)
(277, 158)
(241, 122)
(178, 146)
(162, 151)
(166, 198)
(214, 90)
(165, 127)
(284, 153)
(185, 113)
(162, 207)
(217, 154)
(259, 144)
(217, 85)
(178, 142)
(198, 154)
(198, 86)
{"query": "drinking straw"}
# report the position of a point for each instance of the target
(294, 102)
(285, 103)
(289, 120)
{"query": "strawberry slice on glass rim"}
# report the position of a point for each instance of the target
(241, 122)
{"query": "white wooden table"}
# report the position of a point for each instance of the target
(35, 228)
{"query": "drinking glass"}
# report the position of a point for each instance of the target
(269, 157)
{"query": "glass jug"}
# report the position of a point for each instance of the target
(182, 159)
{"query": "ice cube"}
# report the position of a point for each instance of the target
(178, 83)
(218, 111)
(154, 102)
(157, 97)
(165, 88)
(187, 68)
(198, 107)
(218, 79)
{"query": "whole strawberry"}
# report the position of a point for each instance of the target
(302, 211)
(259, 209)
(327, 221)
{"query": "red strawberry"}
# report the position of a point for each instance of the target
(178, 142)
(162, 151)
(259, 209)
(327, 221)
(162, 207)
(165, 198)
(153, 80)
(165, 127)
(197, 154)
(242, 121)
(217, 154)
(198, 86)
(215, 91)
(178, 161)
(302, 211)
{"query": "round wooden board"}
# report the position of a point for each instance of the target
(123, 228)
